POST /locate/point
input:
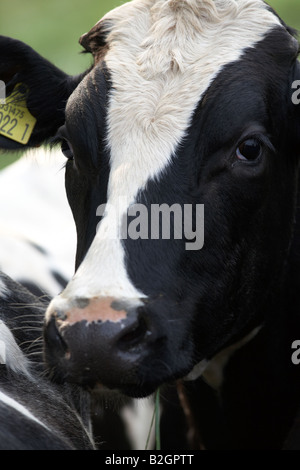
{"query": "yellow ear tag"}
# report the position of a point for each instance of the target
(16, 122)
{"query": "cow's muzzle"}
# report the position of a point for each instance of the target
(101, 341)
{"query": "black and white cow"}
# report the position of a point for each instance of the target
(188, 102)
(35, 414)
(32, 250)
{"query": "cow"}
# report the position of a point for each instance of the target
(43, 260)
(191, 105)
(26, 228)
(36, 414)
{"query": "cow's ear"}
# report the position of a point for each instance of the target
(95, 40)
(36, 95)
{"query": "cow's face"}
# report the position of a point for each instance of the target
(188, 106)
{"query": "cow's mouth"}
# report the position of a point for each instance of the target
(117, 385)
(135, 373)
(124, 392)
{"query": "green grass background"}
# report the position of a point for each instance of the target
(53, 27)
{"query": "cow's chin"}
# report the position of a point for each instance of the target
(123, 394)
(109, 398)
(143, 389)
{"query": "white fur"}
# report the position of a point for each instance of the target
(7, 400)
(34, 208)
(162, 57)
(137, 418)
(3, 289)
(12, 354)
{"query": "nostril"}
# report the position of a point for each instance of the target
(54, 340)
(134, 335)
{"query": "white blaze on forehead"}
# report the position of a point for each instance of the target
(162, 57)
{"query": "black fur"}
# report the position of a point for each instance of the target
(64, 410)
(48, 88)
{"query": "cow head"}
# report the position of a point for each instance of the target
(188, 109)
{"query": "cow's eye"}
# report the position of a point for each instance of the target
(249, 150)
(67, 150)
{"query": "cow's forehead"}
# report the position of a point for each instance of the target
(162, 55)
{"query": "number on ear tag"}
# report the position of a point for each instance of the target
(16, 122)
